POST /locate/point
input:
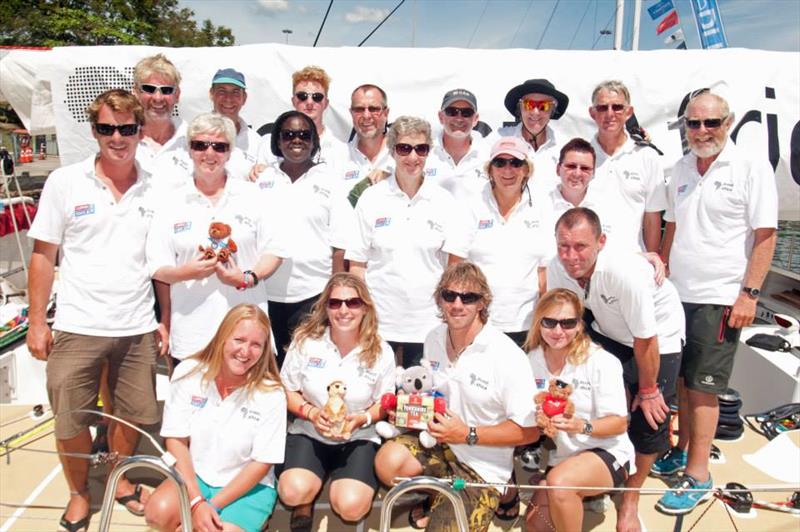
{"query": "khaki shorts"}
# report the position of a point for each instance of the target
(441, 462)
(73, 378)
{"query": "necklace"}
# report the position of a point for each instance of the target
(457, 352)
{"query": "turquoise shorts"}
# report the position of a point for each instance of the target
(250, 511)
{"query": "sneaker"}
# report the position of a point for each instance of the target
(679, 502)
(670, 463)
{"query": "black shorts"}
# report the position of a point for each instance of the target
(710, 348)
(352, 460)
(619, 472)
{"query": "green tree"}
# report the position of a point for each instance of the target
(105, 22)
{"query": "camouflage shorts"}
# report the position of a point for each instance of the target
(441, 462)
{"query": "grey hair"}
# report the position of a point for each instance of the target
(722, 102)
(407, 125)
(613, 85)
(211, 124)
(156, 64)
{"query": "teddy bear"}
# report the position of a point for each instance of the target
(552, 402)
(335, 410)
(417, 382)
(221, 243)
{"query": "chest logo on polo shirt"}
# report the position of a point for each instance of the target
(485, 224)
(430, 172)
(541, 383)
(250, 414)
(631, 176)
(198, 401)
(180, 227)
(435, 365)
(322, 191)
(266, 184)
(532, 224)
(725, 187)
(352, 174)
(365, 373)
(609, 300)
(682, 189)
(481, 383)
(315, 362)
(382, 222)
(144, 212)
(180, 162)
(245, 220)
(84, 210)
(435, 226)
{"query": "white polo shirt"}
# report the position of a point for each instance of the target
(509, 252)
(715, 216)
(356, 166)
(225, 434)
(318, 217)
(405, 243)
(312, 366)
(544, 159)
(597, 392)
(625, 300)
(332, 151)
(245, 152)
(463, 179)
(104, 286)
(180, 227)
(489, 383)
(170, 163)
(634, 173)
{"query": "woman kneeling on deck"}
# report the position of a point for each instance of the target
(592, 446)
(225, 423)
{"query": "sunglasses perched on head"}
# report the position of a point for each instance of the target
(291, 134)
(466, 112)
(709, 123)
(352, 303)
(604, 107)
(201, 145)
(543, 106)
(166, 90)
(126, 130)
(501, 162)
(466, 298)
(303, 96)
(406, 149)
(567, 324)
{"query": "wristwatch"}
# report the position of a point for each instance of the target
(587, 428)
(472, 437)
(752, 292)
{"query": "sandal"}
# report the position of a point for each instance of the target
(81, 525)
(136, 496)
(508, 510)
(423, 510)
(301, 522)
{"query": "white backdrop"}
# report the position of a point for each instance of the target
(50, 89)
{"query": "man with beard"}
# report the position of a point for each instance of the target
(719, 242)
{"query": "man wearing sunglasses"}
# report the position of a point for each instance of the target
(630, 171)
(228, 94)
(636, 320)
(719, 242)
(162, 150)
(459, 153)
(97, 214)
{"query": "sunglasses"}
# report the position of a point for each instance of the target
(372, 109)
(352, 303)
(543, 106)
(303, 96)
(604, 107)
(567, 324)
(291, 134)
(201, 145)
(406, 149)
(126, 130)
(574, 166)
(166, 90)
(467, 298)
(709, 123)
(466, 112)
(501, 162)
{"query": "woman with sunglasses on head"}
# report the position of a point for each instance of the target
(338, 341)
(321, 221)
(592, 446)
(201, 276)
(409, 229)
(225, 424)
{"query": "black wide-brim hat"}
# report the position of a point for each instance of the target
(541, 86)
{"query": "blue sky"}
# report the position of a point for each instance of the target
(573, 24)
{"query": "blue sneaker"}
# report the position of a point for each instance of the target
(673, 461)
(679, 502)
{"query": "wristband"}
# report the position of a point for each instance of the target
(302, 409)
(648, 390)
(243, 284)
(369, 419)
(649, 396)
(194, 502)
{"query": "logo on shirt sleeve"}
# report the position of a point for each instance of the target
(84, 210)
(199, 401)
(180, 227)
(352, 174)
(541, 383)
(315, 362)
(382, 222)
(485, 224)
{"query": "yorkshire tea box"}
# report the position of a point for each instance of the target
(414, 411)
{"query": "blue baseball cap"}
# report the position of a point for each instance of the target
(229, 75)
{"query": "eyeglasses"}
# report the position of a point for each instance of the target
(467, 298)
(573, 166)
(543, 106)
(567, 324)
(291, 134)
(709, 123)
(166, 90)
(303, 96)
(201, 145)
(501, 162)
(405, 149)
(372, 109)
(352, 303)
(604, 107)
(126, 130)
(466, 112)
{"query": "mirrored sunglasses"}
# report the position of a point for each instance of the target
(166, 90)
(543, 106)
(303, 96)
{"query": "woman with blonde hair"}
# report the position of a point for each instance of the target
(592, 445)
(225, 423)
(338, 341)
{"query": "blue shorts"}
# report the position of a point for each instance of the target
(250, 511)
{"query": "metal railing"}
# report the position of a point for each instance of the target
(423, 483)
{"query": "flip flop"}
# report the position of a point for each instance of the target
(425, 506)
(136, 496)
(504, 509)
(73, 526)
